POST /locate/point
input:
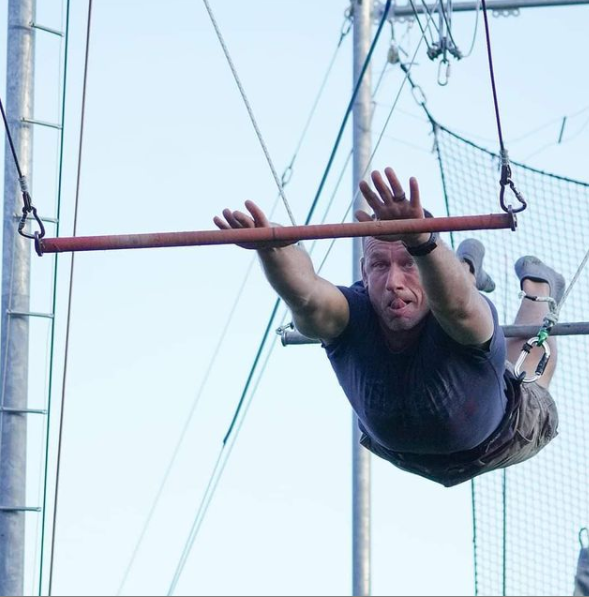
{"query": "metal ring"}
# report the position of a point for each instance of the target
(524, 354)
(401, 197)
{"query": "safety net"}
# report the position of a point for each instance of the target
(527, 518)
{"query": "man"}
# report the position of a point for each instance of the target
(416, 348)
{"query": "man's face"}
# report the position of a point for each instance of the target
(394, 287)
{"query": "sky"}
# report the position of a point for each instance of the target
(168, 145)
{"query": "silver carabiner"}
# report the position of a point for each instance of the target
(531, 343)
(443, 77)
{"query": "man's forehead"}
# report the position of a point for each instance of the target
(373, 246)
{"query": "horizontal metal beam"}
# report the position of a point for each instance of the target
(50, 125)
(264, 237)
(18, 218)
(46, 29)
(406, 10)
(30, 314)
(21, 411)
(578, 328)
(292, 336)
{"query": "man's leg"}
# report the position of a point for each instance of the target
(536, 279)
(537, 416)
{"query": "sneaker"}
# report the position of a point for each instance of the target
(472, 251)
(531, 267)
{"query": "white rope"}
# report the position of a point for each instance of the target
(226, 450)
(554, 314)
(250, 112)
(183, 434)
(573, 282)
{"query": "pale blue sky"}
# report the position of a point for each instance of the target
(168, 145)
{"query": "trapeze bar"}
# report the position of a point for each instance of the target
(293, 336)
(274, 234)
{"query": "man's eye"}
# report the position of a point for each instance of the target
(409, 264)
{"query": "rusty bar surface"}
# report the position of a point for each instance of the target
(275, 234)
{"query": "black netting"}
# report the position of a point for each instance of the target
(527, 518)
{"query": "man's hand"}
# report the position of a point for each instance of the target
(319, 308)
(390, 203)
(237, 220)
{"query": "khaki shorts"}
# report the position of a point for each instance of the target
(530, 423)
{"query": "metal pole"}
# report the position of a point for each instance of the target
(277, 234)
(362, 15)
(16, 257)
(409, 9)
(575, 328)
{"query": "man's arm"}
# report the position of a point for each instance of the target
(452, 296)
(320, 310)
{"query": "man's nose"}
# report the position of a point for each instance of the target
(396, 278)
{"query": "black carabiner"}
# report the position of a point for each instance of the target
(505, 181)
(29, 209)
(509, 208)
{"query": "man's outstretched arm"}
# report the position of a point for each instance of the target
(319, 308)
(452, 296)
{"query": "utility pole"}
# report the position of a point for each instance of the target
(362, 15)
(16, 258)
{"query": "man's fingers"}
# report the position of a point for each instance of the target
(243, 219)
(219, 223)
(228, 215)
(371, 197)
(258, 215)
(414, 198)
(362, 216)
(238, 219)
(382, 187)
(395, 183)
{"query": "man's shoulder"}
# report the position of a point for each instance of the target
(358, 299)
(356, 287)
(361, 315)
(491, 304)
(357, 291)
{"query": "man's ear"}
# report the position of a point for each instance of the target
(364, 277)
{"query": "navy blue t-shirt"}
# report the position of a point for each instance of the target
(435, 397)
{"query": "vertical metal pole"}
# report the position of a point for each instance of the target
(16, 258)
(362, 15)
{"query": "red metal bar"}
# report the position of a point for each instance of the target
(279, 233)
